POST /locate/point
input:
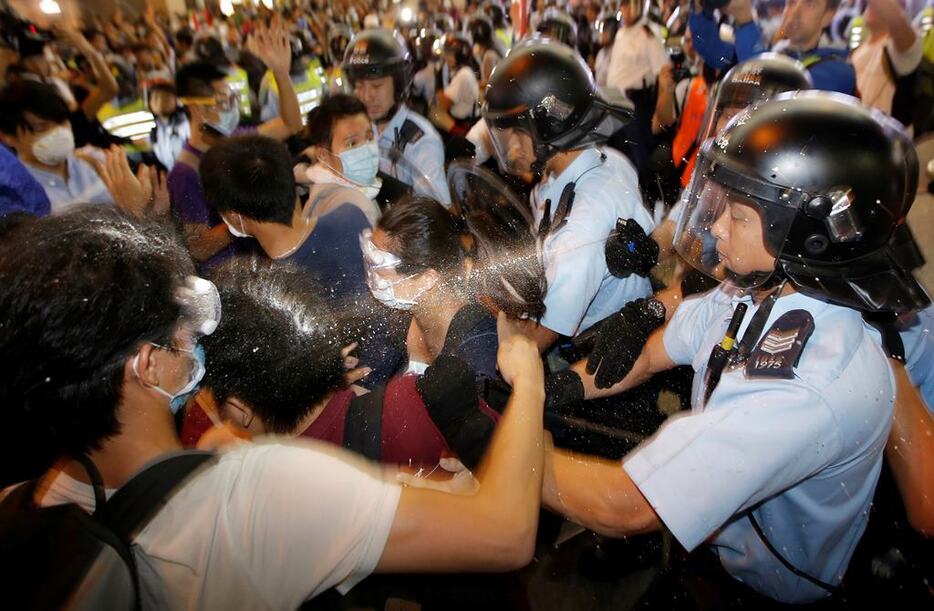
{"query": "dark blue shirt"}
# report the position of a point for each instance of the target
(472, 337)
(828, 68)
(332, 252)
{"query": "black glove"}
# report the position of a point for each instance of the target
(621, 339)
(629, 251)
(449, 390)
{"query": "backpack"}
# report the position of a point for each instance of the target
(62, 557)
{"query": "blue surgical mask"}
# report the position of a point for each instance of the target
(227, 122)
(361, 164)
(178, 399)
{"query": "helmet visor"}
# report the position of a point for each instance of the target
(726, 232)
(514, 147)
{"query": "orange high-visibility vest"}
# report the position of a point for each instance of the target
(684, 147)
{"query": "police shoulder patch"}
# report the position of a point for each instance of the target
(410, 132)
(779, 350)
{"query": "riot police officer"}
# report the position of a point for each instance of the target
(547, 118)
(800, 202)
(378, 68)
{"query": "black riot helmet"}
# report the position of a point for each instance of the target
(481, 31)
(753, 81)
(376, 54)
(543, 92)
(829, 184)
(459, 46)
(339, 36)
(427, 46)
(558, 25)
(607, 23)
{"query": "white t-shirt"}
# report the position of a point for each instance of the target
(269, 526)
(463, 91)
(636, 59)
(876, 88)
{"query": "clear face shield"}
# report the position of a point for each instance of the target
(732, 229)
(514, 146)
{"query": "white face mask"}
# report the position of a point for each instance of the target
(384, 291)
(54, 147)
(237, 233)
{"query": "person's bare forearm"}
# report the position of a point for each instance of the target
(595, 493)
(515, 452)
(289, 109)
(910, 452)
(891, 14)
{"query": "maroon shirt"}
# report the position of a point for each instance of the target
(410, 437)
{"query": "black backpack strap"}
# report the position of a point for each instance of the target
(363, 424)
(139, 500)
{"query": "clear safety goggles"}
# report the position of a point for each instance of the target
(373, 257)
(201, 305)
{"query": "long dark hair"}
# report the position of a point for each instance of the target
(508, 273)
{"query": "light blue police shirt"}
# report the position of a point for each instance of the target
(83, 186)
(424, 167)
(809, 449)
(581, 290)
(916, 333)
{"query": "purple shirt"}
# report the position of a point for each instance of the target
(188, 202)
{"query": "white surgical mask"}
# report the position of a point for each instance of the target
(361, 164)
(384, 292)
(54, 147)
(237, 233)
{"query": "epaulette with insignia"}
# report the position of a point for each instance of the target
(779, 350)
(410, 133)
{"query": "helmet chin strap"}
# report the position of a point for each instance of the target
(759, 281)
(543, 152)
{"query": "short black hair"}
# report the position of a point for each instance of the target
(424, 236)
(79, 294)
(508, 271)
(252, 176)
(277, 347)
(25, 95)
(195, 80)
(321, 119)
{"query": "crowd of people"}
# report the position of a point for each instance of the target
(290, 296)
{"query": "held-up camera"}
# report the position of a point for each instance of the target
(679, 68)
